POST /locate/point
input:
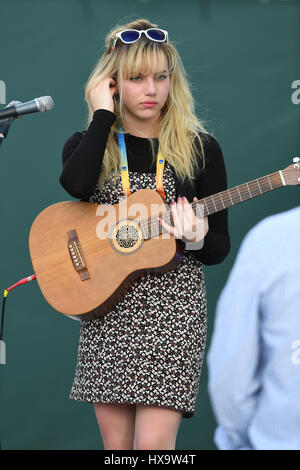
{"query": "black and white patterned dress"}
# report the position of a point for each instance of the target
(150, 348)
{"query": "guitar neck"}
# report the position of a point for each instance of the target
(243, 192)
(151, 227)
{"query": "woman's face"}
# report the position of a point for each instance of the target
(145, 95)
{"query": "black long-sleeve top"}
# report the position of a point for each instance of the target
(82, 159)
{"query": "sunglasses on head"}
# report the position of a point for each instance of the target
(128, 36)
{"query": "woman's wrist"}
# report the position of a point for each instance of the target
(101, 110)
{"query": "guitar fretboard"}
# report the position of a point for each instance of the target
(243, 192)
(217, 202)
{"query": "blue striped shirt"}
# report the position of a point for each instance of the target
(254, 356)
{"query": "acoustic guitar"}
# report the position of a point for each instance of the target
(86, 256)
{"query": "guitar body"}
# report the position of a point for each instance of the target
(86, 256)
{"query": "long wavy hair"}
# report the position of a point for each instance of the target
(179, 127)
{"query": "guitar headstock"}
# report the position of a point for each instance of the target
(291, 173)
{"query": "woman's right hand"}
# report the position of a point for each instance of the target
(101, 97)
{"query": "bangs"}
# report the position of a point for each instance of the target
(142, 57)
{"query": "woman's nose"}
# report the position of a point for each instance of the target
(150, 88)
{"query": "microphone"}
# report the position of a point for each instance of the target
(44, 103)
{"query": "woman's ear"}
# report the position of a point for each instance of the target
(116, 94)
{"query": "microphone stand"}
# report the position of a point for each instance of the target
(6, 123)
(4, 128)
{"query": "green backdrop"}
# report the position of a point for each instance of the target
(242, 58)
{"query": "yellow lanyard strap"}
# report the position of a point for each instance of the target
(160, 164)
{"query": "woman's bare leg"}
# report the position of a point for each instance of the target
(156, 427)
(117, 423)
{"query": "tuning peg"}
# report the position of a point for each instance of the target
(296, 159)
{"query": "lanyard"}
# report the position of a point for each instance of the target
(160, 163)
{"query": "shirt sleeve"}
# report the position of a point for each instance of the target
(82, 156)
(211, 180)
(234, 375)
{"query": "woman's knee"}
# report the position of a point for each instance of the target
(155, 442)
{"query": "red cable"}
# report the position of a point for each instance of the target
(22, 281)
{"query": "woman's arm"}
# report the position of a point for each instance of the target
(213, 179)
(82, 156)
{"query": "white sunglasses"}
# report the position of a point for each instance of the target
(128, 36)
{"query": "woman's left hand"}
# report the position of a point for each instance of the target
(187, 226)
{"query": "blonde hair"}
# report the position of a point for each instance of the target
(179, 127)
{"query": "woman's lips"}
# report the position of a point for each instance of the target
(148, 104)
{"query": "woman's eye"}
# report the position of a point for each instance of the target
(139, 78)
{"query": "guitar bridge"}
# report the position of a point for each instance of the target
(77, 255)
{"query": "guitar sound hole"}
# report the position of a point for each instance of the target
(127, 236)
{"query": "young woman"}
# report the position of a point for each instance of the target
(140, 363)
